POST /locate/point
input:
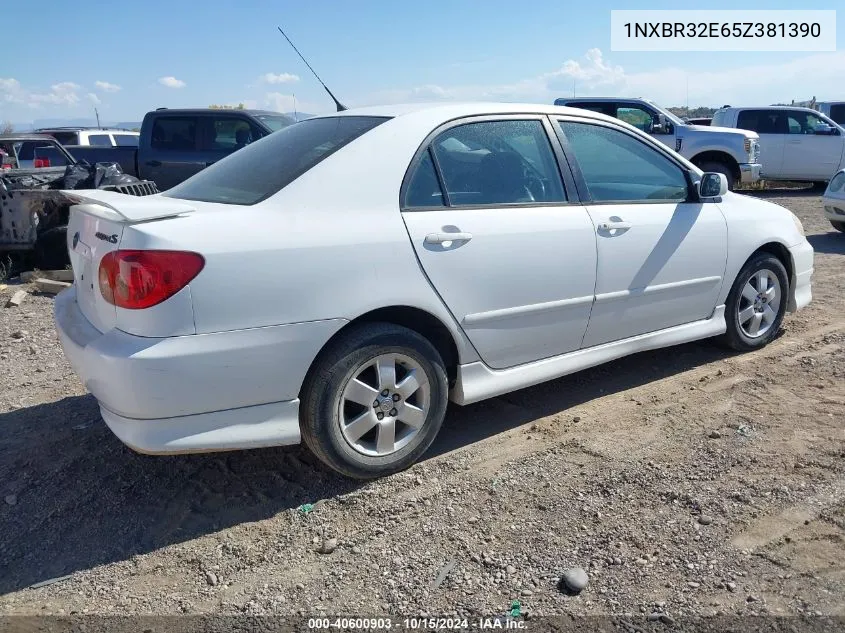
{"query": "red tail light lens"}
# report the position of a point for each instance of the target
(41, 162)
(141, 279)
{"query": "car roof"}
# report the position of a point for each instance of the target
(217, 111)
(454, 110)
(778, 107)
(24, 136)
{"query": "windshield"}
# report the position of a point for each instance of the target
(275, 122)
(669, 115)
(264, 167)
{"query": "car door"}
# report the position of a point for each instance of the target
(811, 152)
(503, 241)
(175, 153)
(661, 255)
(771, 127)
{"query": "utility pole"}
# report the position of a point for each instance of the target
(295, 116)
(98, 118)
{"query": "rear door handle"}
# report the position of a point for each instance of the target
(439, 238)
(795, 142)
(611, 226)
(153, 163)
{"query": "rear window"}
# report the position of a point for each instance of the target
(265, 167)
(65, 138)
(126, 140)
(837, 113)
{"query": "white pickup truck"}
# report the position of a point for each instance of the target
(833, 109)
(734, 153)
(797, 144)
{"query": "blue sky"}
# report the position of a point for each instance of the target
(134, 57)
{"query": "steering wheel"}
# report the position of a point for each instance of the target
(535, 185)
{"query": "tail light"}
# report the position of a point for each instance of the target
(41, 162)
(141, 279)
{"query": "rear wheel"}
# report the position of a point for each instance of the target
(756, 304)
(374, 401)
(839, 226)
(720, 168)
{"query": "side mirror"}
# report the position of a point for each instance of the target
(712, 185)
(659, 125)
(826, 130)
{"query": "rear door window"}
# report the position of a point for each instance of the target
(763, 121)
(103, 140)
(266, 166)
(175, 133)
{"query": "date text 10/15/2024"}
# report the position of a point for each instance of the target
(418, 624)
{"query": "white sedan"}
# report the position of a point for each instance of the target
(340, 280)
(834, 201)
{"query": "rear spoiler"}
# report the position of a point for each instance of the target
(128, 209)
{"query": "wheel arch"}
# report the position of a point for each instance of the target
(781, 252)
(420, 321)
(716, 156)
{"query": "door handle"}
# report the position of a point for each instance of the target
(611, 226)
(795, 142)
(439, 238)
(153, 163)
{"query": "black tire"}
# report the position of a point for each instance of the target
(735, 337)
(320, 421)
(819, 185)
(839, 226)
(51, 249)
(720, 168)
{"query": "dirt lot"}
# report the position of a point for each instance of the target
(684, 481)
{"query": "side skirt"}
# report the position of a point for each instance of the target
(476, 381)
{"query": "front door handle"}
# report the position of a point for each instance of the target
(439, 238)
(795, 142)
(612, 226)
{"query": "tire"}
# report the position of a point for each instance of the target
(51, 249)
(326, 414)
(720, 168)
(744, 295)
(819, 185)
(839, 226)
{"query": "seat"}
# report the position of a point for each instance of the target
(242, 138)
(503, 179)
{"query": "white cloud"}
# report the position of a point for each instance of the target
(11, 91)
(93, 98)
(171, 82)
(593, 75)
(105, 86)
(64, 93)
(281, 78)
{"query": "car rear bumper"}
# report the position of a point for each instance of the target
(802, 260)
(201, 392)
(749, 172)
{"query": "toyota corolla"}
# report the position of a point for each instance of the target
(339, 281)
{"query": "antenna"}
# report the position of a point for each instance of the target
(340, 106)
(97, 114)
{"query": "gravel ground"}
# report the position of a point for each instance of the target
(687, 481)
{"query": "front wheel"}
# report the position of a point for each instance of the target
(839, 226)
(756, 303)
(374, 401)
(720, 168)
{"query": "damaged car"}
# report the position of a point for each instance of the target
(36, 172)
